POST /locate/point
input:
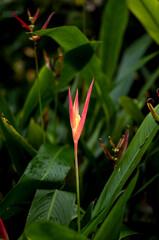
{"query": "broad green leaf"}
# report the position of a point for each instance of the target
(147, 13)
(50, 231)
(110, 228)
(114, 22)
(130, 62)
(128, 163)
(54, 205)
(131, 108)
(69, 37)
(48, 168)
(125, 231)
(74, 61)
(47, 85)
(17, 137)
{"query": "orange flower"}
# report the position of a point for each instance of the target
(77, 121)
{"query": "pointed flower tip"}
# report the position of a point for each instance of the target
(47, 21)
(45, 24)
(84, 114)
(23, 24)
(3, 232)
(28, 12)
(36, 15)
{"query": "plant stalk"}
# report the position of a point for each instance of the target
(39, 92)
(77, 186)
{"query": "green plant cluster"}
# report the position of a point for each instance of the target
(38, 196)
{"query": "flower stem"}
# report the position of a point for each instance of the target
(39, 92)
(77, 186)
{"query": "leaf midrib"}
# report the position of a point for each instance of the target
(52, 203)
(53, 159)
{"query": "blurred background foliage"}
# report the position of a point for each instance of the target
(17, 66)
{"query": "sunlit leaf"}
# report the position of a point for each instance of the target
(147, 13)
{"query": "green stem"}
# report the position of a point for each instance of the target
(77, 186)
(39, 92)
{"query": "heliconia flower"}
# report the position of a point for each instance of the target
(3, 232)
(77, 121)
(30, 27)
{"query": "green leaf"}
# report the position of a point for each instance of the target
(34, 134)
(74, 61)
(50, 230)
(69, 37)
(129, 161)
(54, 205)
(130, 62)
(125, 231)
(114, 23)
(15, 151)
(124, 169)
(131, 108)
(147, 13)
(17, 137)
(47, 85)
(48, 168)
(110, 229)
